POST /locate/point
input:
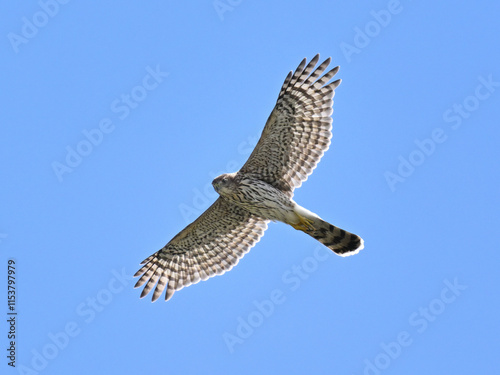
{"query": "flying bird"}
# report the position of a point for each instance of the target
(295, 136)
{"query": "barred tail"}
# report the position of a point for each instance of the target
(340, 241)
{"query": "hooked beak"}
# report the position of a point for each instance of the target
(215, 184)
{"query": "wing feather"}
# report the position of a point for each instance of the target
(210, 246)
(298, 131)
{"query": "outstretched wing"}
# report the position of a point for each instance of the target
(211, 245)
(298, 131)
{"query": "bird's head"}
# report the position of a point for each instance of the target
(223, 183)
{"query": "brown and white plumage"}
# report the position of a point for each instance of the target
(299, 129)
(209, 246)
(295, 136)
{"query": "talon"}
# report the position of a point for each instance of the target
(304, 224)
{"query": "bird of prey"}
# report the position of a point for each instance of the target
(295, 136)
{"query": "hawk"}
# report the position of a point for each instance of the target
(295, 136)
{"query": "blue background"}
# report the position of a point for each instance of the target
(410, 70)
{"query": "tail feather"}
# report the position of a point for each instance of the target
(340, 241)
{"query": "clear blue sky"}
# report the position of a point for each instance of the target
(117, 116)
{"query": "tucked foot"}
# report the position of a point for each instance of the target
(304, 224)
